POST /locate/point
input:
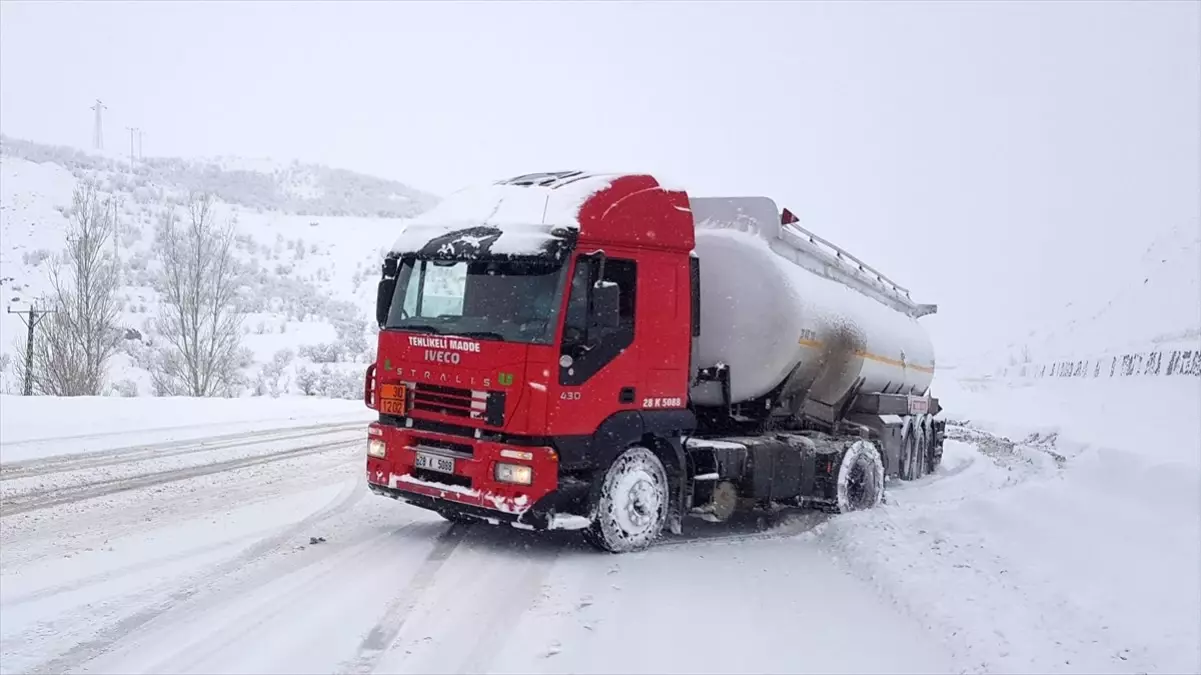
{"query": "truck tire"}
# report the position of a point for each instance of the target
(934, 452)
(924, 446)
(908, 469)
(630, 507)
(860, 481)
(916, 449)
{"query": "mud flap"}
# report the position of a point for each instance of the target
(677, 508)
(675, 514)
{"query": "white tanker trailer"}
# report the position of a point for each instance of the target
(769, 303)
(804, 344)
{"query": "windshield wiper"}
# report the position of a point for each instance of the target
(423, 328)
(482, 334)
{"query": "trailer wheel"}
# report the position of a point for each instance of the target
(909, 462)
(860, 478)
(630, 508)
(934, 450)
(922, 451)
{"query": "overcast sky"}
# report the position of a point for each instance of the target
(974, 151)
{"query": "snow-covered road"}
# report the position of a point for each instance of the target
(262, 551)
(211, 567)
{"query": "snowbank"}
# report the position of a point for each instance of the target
(41, 426)
(1067, 540)
(1156, 419)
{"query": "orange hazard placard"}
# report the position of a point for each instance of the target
(392, 399)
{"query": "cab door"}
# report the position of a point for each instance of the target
(599, 367)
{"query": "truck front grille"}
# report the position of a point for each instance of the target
(473, 404)
(465, 449)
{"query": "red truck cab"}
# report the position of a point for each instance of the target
(534, 356)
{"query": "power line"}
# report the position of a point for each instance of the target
(31, 318)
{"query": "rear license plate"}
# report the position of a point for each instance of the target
(392, 399)
(434, 463)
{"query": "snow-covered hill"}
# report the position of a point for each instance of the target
(309, 238)
(256, 184)
(1152, 303)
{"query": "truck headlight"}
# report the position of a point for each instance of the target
(514, 473)
(376, 448)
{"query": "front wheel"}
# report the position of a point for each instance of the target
(630, 508)
(860, 478)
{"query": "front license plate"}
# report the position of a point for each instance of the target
(434, 463)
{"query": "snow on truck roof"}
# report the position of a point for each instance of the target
(533, 199)
(532, 213)
(527, 209)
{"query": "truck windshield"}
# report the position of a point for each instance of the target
(515, 301)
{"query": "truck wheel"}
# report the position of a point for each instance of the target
(924, 446)
(860, 478)
(909, 462)
(934, 452)
(630, 508)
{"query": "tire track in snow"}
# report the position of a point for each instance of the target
(152, 430)
(522, 592)
(336, 562)
(398, 610)
(784, 525)
(189, 587)
(103, 577)
(58, 496)
(491, 579)
(152, 451)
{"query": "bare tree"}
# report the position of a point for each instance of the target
(71, 354)
(199, 319)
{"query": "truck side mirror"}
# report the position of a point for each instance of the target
(606, 308)
(383, 299)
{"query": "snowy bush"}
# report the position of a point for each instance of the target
(325, 352)
(308, 381)
(32, 258)
(352, 335)
(339, 383)
(125, 388)
(130, 236)
(138, 262)
(272, 380)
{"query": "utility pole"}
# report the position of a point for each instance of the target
(98, 129)
(112, 202)
(31, 318)
(140, 155)
(132, 132)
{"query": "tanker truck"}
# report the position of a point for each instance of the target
(606, 353)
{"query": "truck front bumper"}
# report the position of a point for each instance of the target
(472, 487)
